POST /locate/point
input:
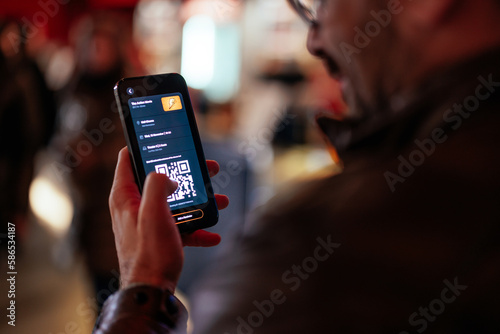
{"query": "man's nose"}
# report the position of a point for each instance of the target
(314, 45)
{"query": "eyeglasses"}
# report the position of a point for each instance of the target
(307, 9)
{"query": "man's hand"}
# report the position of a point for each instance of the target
(147, 240)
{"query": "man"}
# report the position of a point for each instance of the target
(405, 240)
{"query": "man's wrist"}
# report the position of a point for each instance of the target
(149, 280)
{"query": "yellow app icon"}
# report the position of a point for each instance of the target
(171, 103)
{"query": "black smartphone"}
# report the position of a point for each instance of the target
(162, 136)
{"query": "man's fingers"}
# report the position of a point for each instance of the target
(222, 201)
(124, 175)
(201, 238)
(213, 167)
(124, 195)
(154, 210)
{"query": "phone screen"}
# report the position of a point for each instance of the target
(166, 144)
(162, 137)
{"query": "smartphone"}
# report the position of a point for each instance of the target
(162, 137)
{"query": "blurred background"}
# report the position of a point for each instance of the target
(256, 92)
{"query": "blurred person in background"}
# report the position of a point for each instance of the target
(89, 137)
(27, 117)
(405, 240)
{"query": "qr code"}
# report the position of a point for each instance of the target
(180, 172)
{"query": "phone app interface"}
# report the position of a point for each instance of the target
(167, 146)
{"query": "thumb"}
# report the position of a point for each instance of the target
(172, 186)
(154, 210)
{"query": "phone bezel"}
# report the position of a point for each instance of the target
(163, 84)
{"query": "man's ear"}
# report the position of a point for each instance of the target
(429, 13)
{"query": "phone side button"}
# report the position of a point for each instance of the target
(188, 216)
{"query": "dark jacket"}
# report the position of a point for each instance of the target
(405, 240)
